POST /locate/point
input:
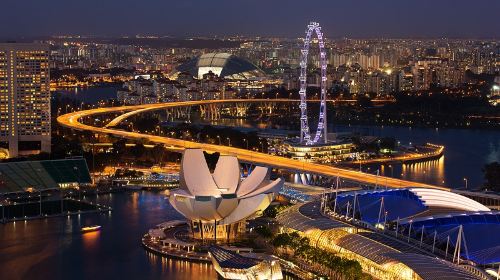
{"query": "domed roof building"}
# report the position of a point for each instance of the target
(219, 203)
(224, 65)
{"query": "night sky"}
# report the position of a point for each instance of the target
(350, 18)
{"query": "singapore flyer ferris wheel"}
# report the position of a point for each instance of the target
(321, 133)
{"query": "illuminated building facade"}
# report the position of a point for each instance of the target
(223, 65)
(24, 96)
(231, 265)
(330, 152)
(380, 254)
(494, 96)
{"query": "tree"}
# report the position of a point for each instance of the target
(492, 176)
(281, 240)
(138, 150)
(364, 101)
(264, 231)
(271, 212)
(341, 268)
(64, 147)
(119, 147)
(157, 153)
(388, 143)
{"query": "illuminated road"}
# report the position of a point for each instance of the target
(152, 107)
(72, 120)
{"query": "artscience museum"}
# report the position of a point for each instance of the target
(217, 203)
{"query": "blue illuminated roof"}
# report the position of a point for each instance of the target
(398, 203)
(481, 232)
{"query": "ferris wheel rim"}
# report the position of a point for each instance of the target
(305, 135)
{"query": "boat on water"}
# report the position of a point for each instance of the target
(91, 228)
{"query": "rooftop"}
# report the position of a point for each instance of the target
(384, 251)
(430, 268)
(229, 259)
(42, 175)
(223, 65)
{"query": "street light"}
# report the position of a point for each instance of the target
(409, 231)
(465, 180)
(246, 141)
(229, 141)
(218, 137)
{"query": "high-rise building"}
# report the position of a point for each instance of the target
(338, 59)
(369, 61)
(24, 97)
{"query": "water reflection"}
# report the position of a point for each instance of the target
(90, 95)
(91, 240)
(183, 268)
(56, 247)
(466, 150)
(135, 200)
(493, 151)
(432, 172)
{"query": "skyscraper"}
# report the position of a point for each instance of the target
(24, 97)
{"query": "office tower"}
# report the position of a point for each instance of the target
(24, 97)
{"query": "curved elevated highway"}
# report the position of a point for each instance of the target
(72, 120)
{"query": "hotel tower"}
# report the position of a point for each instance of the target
(24, 98)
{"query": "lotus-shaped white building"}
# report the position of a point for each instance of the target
(218, 203)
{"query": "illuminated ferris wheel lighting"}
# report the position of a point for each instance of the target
(305, 136)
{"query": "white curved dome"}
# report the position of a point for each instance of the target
(221, 196)
(439, 198)
(224, 65)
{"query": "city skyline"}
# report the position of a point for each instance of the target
(258, 140)
(363, 19)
